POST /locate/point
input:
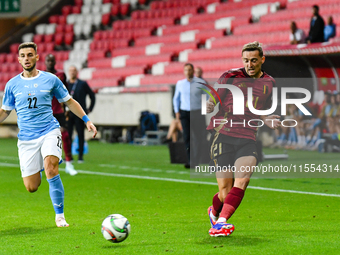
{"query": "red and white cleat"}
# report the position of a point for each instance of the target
(221, 229)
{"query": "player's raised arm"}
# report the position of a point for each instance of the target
(3, 114)
(75, 107)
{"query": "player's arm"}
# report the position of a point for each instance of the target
(75, 107)
(176, 101)
(3, 114)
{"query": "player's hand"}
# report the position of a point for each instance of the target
(272, 121)
(178, 115)
(91, 127)
(210, 107)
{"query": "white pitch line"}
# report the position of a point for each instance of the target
(186, 181)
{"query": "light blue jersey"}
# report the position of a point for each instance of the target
(32, 100)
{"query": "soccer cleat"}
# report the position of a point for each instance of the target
(70, 170)
(221, 229)
(61, 222)
(212, 221)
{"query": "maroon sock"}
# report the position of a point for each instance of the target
(217, 205)
(66, 145)
(232, 201)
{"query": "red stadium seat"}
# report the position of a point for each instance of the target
(150, 60)
(2, 58)
(125, 9)
(14, 48)
(68, 39)
(132, 51)
(53, 19)
(100, 63)
(49, 47)
(66, 10)
(69, 28)
(59, 39)
(60, 29)
(175, 48)
(48, 38)
(38, 38)
(97, 54)
(118, 72)
(62, 20)
(76, 9)
(102, 83)
(78, 2)
(106, 18)
(11, 57)
(115, 10)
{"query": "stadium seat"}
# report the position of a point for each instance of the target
(76, 9)
(38, 38)
(102, 82)
(48, 38)
(59, 39)
(11, 57)
(106, 18)
(118, 72)
(78, 2)
(13, 49)
(53, 19)
(96, 54)
(66, 10)
(68, 39)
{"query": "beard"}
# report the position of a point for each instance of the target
(29, 69)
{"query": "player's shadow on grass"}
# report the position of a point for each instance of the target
(115, 246)
(220, 242)
(23, 231)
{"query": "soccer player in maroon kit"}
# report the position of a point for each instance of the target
(59, 114)
(233, 143)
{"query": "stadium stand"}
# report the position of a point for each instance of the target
(147, 42)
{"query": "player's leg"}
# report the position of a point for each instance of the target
(236, 194)
(67, 146)
(185, 121)
(224, 186)
(30, 163)
(51, 153)
(32, 182)
(81, 138)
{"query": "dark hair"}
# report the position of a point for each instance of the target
(252, 47)
(189, 64)
(28, 45)
(316, 7)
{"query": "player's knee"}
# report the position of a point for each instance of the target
(31, 188)
(242, 183)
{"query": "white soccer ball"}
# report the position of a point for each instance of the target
(116, 228)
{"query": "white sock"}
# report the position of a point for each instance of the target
(221, 219)
(59, 215)
(213, 216)
(68, 164)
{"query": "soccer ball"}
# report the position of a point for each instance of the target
(115, 228)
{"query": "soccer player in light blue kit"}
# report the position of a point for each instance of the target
(40, 146)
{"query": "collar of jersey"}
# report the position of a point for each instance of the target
(32, 78)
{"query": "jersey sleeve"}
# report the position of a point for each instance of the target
(8, 100)
(226, 78)
(60, 91)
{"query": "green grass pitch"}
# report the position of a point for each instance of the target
(166, 217)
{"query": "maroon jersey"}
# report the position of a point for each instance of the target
(56, 106)
(225, 121)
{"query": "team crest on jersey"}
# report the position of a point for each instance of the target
(242, 85)
(35, 85)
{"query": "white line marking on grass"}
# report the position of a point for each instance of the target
(186, 181)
